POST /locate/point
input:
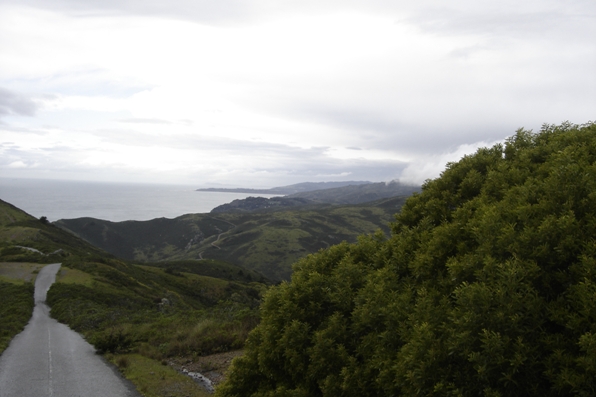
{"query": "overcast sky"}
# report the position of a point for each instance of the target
(268, 93)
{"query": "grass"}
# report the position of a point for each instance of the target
(264, 243)
(16, 295)
(153, 379)
(15, 311)
(19, 272)
(138, 316)
(74, 276)
(141, 316)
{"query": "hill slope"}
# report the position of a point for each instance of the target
(487, 287)
(358, 194)
(345, 195)
(140, 315)
(48, 242)
(268, 242)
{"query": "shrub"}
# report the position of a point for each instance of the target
(487, 287)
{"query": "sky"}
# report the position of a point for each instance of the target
(263, 93)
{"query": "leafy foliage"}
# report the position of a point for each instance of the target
(486, 287)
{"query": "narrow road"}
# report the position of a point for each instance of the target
(48, 359)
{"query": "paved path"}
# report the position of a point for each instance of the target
(48, 359)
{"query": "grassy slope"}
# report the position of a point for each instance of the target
(17, 276)
(16, 308)
(17, 228)
(137, 315)
(268, 242)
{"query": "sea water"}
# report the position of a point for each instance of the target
(115, 202)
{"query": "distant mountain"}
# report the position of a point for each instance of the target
(290, 189)
(358, 194)
(251, 204)
(352, 194)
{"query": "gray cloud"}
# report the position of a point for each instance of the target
(144, 121)
(519, 65)
(12, 103)
(274, 164)
(506, 17)
(204, 11)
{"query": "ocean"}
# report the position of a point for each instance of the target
(115, 202)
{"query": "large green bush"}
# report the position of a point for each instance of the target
(487, 287)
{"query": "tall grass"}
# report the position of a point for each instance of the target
(15, 310)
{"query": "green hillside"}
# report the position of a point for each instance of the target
(48, 242)
(358, 194)
(139, 316)
(267, 242)
(25, 240)
(487, 287)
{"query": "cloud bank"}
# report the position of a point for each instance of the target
(267, 93)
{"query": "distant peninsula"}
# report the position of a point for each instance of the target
(290, 189)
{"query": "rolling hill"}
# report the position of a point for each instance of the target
(268, 241)
(138, 315)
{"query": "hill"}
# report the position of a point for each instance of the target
(352, 194)
(487, 287)
(45, 242)
(139, 316)
(267, 242)
(358, 194)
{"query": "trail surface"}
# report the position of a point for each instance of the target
(48, 359)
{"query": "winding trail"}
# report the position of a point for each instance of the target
(218, 236)
(49, 359)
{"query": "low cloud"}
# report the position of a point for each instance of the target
(430, 167)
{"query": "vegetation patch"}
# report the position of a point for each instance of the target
(154, 312)
(74, 276)
(15, 310)
(140, 316)
(18, 273)
(487, 287)
(154, 379)
(265, 242)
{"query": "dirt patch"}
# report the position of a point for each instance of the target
(213, 367)
(20, 271)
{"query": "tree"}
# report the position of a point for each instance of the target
(487, 287)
